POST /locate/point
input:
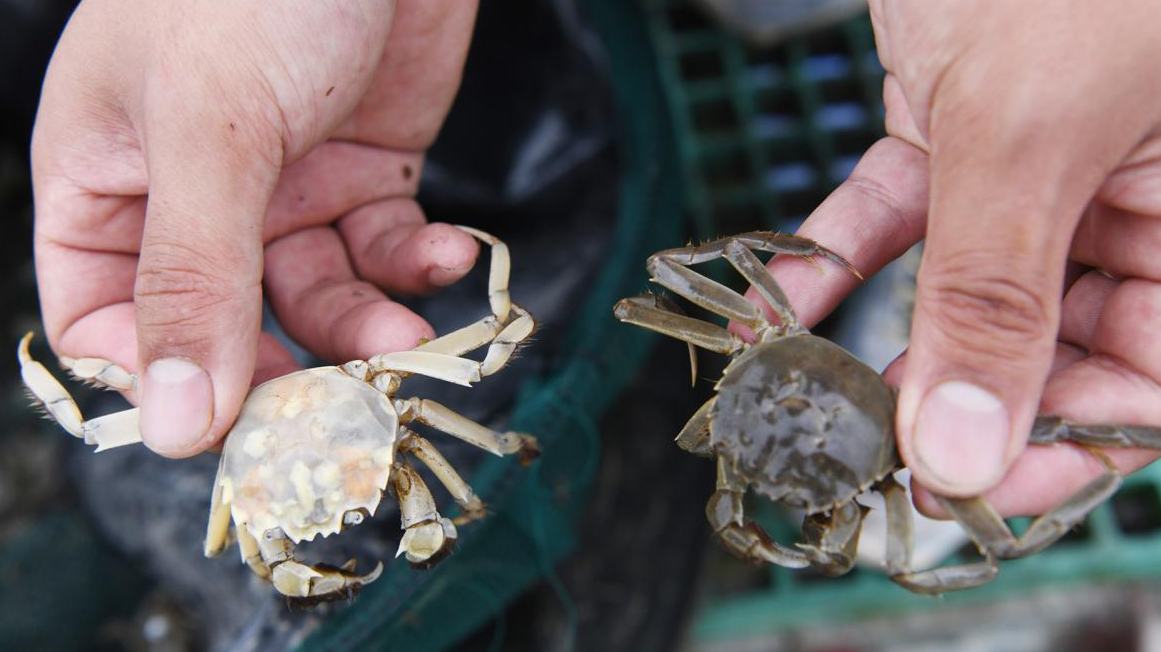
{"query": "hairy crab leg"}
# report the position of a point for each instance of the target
(705, 292)
(832, 539)
(218, 524)
(498, 273)
(460, 491)
(991, 533)
(935, 581)
(446, 420)
(648, 312)
(502, 331)
(900, 526)
(427, 536)
(760, 278)
(109, 431)
(695, 435)
(295, 579)
(448, 368)
(1051, 430)
(252, 554)
(944, 579)
(768, 241)
(502, 339)
(741, 536)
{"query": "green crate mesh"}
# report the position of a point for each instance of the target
(764, 136)
(535, 509)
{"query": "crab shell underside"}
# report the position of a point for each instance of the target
(307, 448)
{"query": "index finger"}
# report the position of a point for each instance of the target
(872, 218)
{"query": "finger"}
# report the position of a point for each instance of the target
(393, 246)
(428, 44)
(1082, 307)
(1041, 478)
(336, 178)
(1065, 356)
(1093, 390)
(212, 168)
(1128, 326)
(274, 360)
(871, 219)
(1004, 208)
(323, 306)
(1119, 241)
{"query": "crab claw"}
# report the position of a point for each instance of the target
(295, 579)
(426, 543)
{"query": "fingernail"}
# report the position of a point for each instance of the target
(961, 436)
(176, 405)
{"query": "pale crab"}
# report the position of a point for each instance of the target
(804, 423)
(313, 451)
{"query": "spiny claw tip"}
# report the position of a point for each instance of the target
(22, 351)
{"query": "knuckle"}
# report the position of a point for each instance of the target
(993, 312)
(180, 285)
(876, 192)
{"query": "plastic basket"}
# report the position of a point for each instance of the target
(764, 134)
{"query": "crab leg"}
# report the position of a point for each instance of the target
(109, 431)
(502, 339)
(705, 292)
(295, 579)
(497, 274)
(741, 536)
(900, 526)
(667, 270)
(1049, 430)
(447, 368)
(760, 278)
(427, 536)
(460, 491)
(899, 542)
(948, 578)
(695, 435)
(769, 241)
(989, 531)
(646, 311)
(444, 419)
(832, 539)
(218, 525)
(252, 554)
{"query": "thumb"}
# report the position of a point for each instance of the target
(198, 288)
(987, 305)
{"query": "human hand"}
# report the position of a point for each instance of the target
(279, 145)
(1023, 142)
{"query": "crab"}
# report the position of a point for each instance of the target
(802, 422)
(312, 452)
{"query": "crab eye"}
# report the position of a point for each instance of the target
(357, 369)
(354, 517)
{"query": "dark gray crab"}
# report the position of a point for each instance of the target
(804, 423)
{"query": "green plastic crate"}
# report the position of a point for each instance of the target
(764, 136)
